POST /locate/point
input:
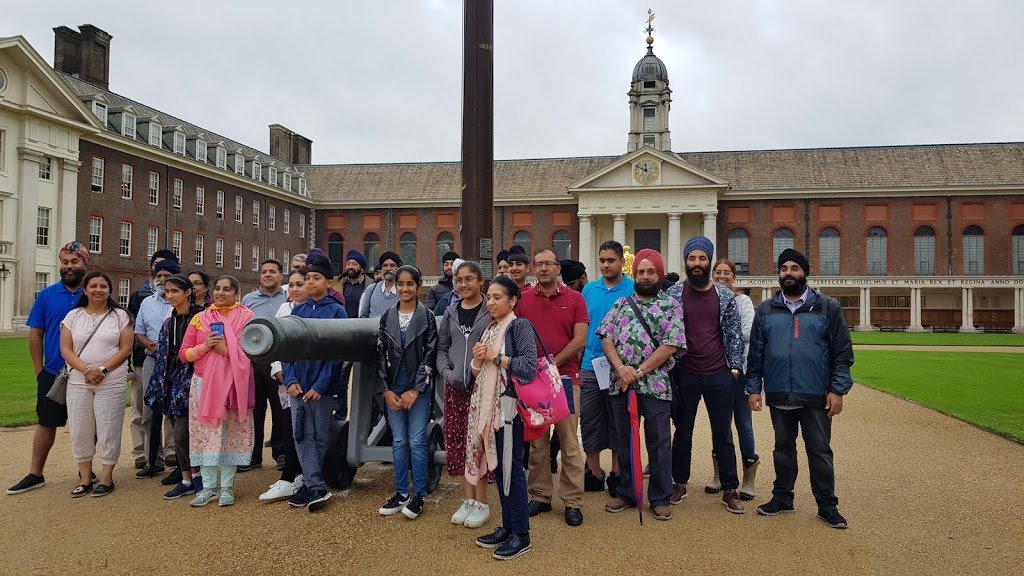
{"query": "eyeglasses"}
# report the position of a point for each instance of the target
(545, 264)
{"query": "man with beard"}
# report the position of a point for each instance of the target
(381, 296)
(49, 309)
(574, 274)
(519, 266)
(800, 356)
(710, 369)
(596, 425)
(640, 337)
(502, 263)
(354, 282)
(444, 283)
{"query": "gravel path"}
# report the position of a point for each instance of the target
(924, 494)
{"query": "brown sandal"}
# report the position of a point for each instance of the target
(81, 490)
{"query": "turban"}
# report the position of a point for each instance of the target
(571, 270)
(791, 255)
(449, 256)
(701, 243)
(76, 248)
(389, 255)
(358, 257)
(168, 265)
(319, 263)
(651, 256)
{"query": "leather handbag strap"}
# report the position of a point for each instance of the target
(93, 333)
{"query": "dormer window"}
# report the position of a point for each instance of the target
(128, 125)
(239, 163)
(155, 134)
(201, 150)
(100, 110)
(302, 187)
(649, 83)
(222, 157)
(257, 170)
(287, 181)
(179, 143)
(272, 175)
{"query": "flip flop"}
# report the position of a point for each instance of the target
(81, 490)
(102, 490)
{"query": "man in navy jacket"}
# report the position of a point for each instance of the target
(800, 355)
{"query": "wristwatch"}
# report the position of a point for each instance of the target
(497, 360)
(103, 369)
(639, 373)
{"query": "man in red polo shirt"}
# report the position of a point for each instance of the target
(560, 316)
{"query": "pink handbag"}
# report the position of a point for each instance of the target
(543, 401)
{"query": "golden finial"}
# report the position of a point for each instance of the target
(650, 28)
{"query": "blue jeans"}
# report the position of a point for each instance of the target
(409, 439)
(514, 515)
(744, 425)
(311, 426)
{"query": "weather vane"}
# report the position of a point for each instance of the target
(650, 19)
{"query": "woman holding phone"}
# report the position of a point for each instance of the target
(222, 393)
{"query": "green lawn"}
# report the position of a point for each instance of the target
(984, 389)
(941, 339)
(18, 391)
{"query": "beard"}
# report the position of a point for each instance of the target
(72, 277)
(792, 286)
(353, 273)
(647, 288)
(699, 281)
(389, 276)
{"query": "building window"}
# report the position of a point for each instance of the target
(176, 244)
(302, 187)
(649, 140)
(255, 257)
(152, 237)
(238, 209)
(239, 164)
(124, 247)
(100, 110)
(649, 119)
(222, 157)
(42, 281)
(220, 204)
(200, 200)
(781, 240)
(286, 181)
(336, 252)
(302, 225)
(155, 135)
(407, 248)
(877, 251)
(201, 150)
(286, 258)
(238, 255)
(257, 171)
(371, 246)
(97, 174)
(828, 252)
(199, 249)
(561, 243)
(95, 234)
(287, 221)
(179, 143)
(127, 173)
(256, 213)
(128, 125)
(739, 250)
(271, 217)
(43, 227)
(124, 292)
(272, 253)
(523, 239)
(1018, 250)
(445, 243)
(272, 176)
(218, 253)
(45, 165)
(924, 251)
(179, 191)
(974, 251)
(154, 188)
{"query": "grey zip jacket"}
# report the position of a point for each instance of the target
(455, 349)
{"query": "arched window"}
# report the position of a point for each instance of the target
(445, 243)
(782, 240)
(828, 252)
(1018, 250)
(371, 248)
(336, 252)
(561, 243)
(974, 251)
(877, 251)
(924, 251)
(739, 250)
(523, 239)
(407, 248)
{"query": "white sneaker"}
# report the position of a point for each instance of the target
(479, 516)
(279, 490)
(298, 481)
(463, 512)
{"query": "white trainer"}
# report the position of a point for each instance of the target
(463, 512)
(279, 490)
(479, 516)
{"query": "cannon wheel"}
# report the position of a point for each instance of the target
(435, 443)
(337, 472)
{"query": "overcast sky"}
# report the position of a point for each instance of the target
(381, 81)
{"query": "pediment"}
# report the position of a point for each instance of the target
(35, 87)
(671, 172)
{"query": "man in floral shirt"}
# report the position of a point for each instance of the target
(642, 360)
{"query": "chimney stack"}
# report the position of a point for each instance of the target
(84, 54)
(289, 146)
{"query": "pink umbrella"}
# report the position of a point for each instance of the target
(636, 466)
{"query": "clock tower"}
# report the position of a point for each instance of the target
(649, 100)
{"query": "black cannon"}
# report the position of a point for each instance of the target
(365, 436)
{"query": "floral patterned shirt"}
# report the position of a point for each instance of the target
(665, 316)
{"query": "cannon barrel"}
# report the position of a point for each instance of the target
(291, 338)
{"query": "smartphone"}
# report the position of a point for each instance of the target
(217, 329)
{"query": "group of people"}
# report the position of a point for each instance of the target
(629, 330)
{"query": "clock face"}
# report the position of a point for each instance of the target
(646, 171)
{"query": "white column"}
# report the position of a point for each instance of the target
(710, 227)
(1018, 310)
(586, 247)
(766, 294)
(675, 248)
(25, 242)
(619, 229)
(967, 310)
(865, 310)
(915, 311)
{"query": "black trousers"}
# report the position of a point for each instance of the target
(266, 393)
(816, 428)
(718, 391)
(292, 467)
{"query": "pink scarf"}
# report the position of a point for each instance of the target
(227, 380)
(485, 408)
